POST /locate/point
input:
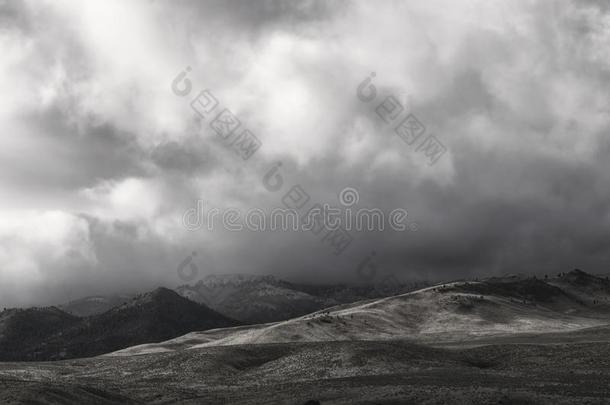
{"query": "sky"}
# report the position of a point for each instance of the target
(102, 153)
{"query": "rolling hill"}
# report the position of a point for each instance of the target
(461, 310)
(503, 340)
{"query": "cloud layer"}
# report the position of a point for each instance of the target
(101, 159)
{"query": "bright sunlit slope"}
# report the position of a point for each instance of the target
(454, 311)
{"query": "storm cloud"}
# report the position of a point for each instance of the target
(100, 158)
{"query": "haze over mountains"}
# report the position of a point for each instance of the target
(261, 299)
(95, 325)
(285, 312)
(315, 146)
(94, 305)
(462, 310)
(254, 299)
(431, 345)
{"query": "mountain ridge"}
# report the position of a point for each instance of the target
(254, 299)
(52, 334)
(461, 310)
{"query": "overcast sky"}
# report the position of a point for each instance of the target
(100, 159)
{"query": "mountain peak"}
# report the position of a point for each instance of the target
(155, 316)
(160, 296)
(162, 292)
(578, 272)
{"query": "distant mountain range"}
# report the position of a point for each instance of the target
(99, 324)
(260, 299)
(94, 305)
(456, 311)
(286, 312)
(511, 339)
(50, 333)
(253, 299)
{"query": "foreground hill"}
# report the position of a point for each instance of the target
(255, 299)
(49, 333)
(509, 340)
(332, 373)
(454, 311)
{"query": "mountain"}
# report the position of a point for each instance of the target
(502, 340)
(94, 305)
(49, 333)
(462, 310)
(261, 299)
(253, 299)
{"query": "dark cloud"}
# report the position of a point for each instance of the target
(185, 158)
(261, 16)
(14, 16)
(106, 159)
(66, 156)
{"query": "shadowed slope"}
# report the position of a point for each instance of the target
(152, 317)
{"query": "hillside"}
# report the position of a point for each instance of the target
(23, 330)
(337, 373)
(503, 340)
(48, 334)
(453, 311)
